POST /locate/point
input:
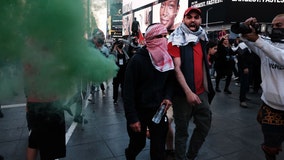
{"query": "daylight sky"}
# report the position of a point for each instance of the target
(100, 13)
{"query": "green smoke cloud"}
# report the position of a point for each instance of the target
(47, 38)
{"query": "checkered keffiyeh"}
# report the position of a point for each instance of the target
(157, 48)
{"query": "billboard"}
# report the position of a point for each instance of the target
(263, 10)
(116, 20)
(227, 11)
(144, 17)
(160, 12)
(126, 24)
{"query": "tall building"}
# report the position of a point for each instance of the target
(114, 16)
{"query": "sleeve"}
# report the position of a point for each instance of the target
(129, 90)
(170, 85)
(262, 46)
(273, 52)
(173, 50)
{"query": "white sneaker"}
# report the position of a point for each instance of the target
(104, 93)
(244, 104)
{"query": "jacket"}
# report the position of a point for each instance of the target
(144, 86)
(272, 70)
(186, 55)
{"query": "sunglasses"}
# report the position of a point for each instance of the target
(161, 36)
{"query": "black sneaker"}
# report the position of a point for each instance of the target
(217, 89)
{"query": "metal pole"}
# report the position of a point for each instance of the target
(207, 17)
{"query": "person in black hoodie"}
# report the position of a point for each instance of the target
(224, 64)
(147, 86)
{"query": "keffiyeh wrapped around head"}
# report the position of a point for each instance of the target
(157, 46)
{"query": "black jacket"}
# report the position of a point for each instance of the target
(144, 86)
(187, 68)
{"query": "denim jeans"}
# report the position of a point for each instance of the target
(183, 112)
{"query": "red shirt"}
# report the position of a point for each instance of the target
(198, 65)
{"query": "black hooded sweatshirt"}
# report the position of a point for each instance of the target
(144, 87)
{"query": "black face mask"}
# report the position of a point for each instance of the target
(277, 35)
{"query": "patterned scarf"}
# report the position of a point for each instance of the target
(157, 48)
(182, 35)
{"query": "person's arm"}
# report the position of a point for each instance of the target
(129, 95)
(276, 54)
(258, 44)
(169, 90)
(262, 46)
(191, 97)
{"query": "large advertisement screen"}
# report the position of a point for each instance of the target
(227, 11)
(263, 10)
(144, 17)
(169, 12)
(126, 24)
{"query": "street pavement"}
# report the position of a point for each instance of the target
(234, 135)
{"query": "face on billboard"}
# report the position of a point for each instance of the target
(168, 12)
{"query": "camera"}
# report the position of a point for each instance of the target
(242, 28)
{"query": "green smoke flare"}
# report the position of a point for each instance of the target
(47, 37)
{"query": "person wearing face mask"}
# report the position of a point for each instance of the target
(271, 113)
(121, 59)
(133, 47)
(194, 90)
(148, 86)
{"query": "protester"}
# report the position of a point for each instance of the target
(187, 44)
(98, 41)
(121, 59)
(271, 52)
(135, 28)
(211, 49)
(133, 47)
(224, 64)
(147, 87)
(44, 112)
(245, 61)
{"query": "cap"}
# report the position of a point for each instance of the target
(191, 9)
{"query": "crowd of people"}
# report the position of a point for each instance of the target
(196, 59)
(173, 68)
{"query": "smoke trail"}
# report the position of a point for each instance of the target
(47, 39)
